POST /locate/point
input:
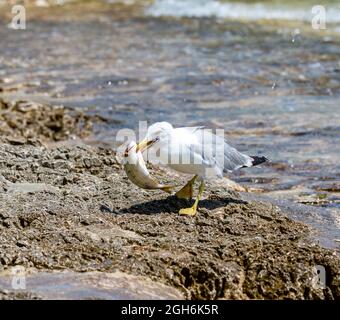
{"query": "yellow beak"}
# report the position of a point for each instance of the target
(144, 144)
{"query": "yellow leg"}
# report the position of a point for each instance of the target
(192, 211)
(186, 191)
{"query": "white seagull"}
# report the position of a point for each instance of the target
(193, 150)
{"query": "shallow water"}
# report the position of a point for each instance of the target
(272, 85)
(91, 286)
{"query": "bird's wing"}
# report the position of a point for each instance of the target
(191, 143)
(216, 149)
(190, 129)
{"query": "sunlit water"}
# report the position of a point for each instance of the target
(272, 85)
(248, 10)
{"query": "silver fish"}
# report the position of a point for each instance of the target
(137, 171)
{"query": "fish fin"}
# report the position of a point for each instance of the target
(167, 189)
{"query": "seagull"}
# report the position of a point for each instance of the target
(196, 151)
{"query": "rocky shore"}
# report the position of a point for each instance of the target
(26, 122)
(68, 213)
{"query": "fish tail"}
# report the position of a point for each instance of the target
(167, 189)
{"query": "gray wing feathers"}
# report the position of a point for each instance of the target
(216, 150)
(234, 159)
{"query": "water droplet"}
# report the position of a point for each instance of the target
(123, 82)
(296, 31)
(329, 91)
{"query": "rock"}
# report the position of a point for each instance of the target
(17, 140)
(68, 217)
(26, 122)
(30, 187)
(107, 233)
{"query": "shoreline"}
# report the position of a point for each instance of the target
(72, 209)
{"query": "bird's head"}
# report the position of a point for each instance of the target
(157, 132)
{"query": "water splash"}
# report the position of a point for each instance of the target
(257, 11)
